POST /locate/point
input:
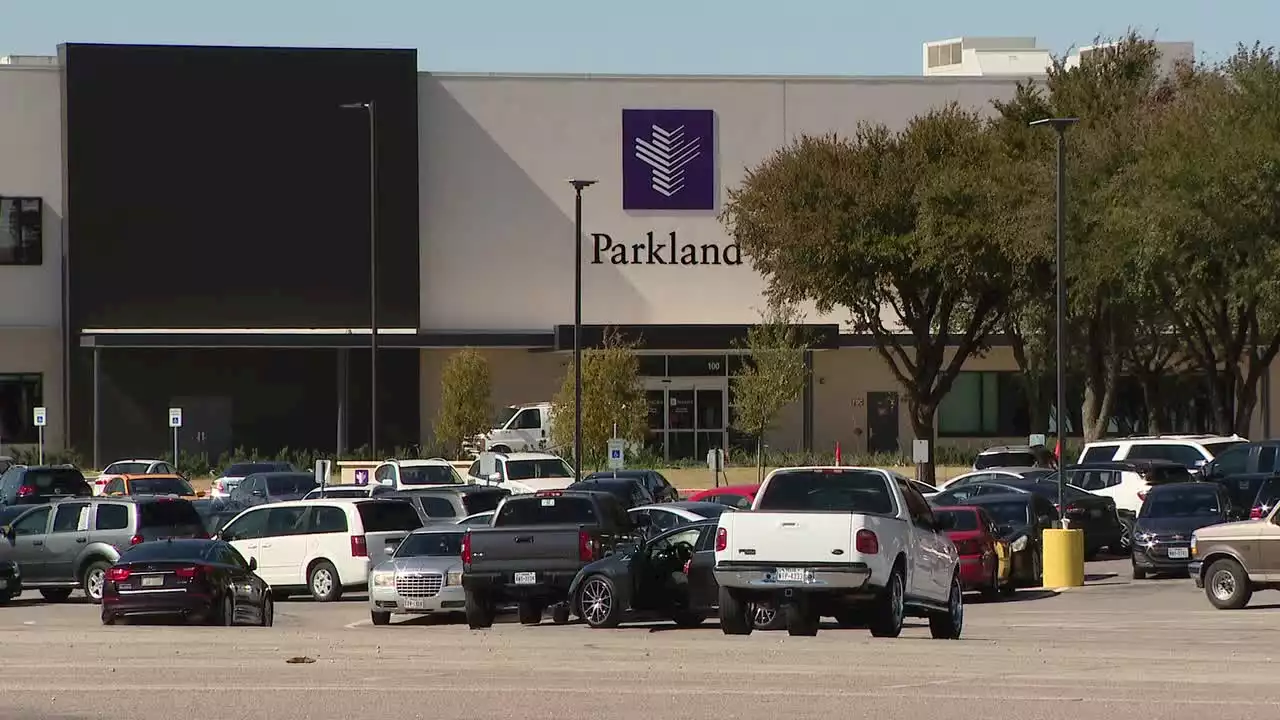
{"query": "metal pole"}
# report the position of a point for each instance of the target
(175, 447)
(577, 333)
(373, 280)
(97, 405)
(40, 460)
(1062, 310)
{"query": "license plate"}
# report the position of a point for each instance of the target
(1179, 553)
(790, 575)
(526, 578)
(152, 581)
(415, 604)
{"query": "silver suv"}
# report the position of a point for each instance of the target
(70, 544)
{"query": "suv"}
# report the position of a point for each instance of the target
(70, 544)
(39, 484)
(1019, 456)
(1244, 468)
(1191, 451)
(525, 472)
(409, 474)
(269, 487)
(1125, 482)
(449, 504)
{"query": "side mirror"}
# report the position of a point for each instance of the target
(6, 530)
(253, 564)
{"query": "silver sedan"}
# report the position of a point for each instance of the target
(423, 576)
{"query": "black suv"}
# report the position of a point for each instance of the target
(39, 484)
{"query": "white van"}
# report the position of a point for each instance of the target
(323, 546)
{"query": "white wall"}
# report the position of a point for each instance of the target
(31, 165)
(497, 214)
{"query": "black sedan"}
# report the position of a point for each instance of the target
(1168, 517)
(630, 491)
(1020, 520)
(205, 580)
(10, 581)
(658, 485)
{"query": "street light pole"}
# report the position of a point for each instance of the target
(1060, 126)
(373, 269)
(578, 186)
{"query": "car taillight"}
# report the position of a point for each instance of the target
(866, 542)
(466, 549)
(968, 547)
(1142, 494)
(586, 547)
(1074, 508)
(136, 540)
(722, 539)
(687, 563)
(358, 546)
(1255, 513)
(190, 573)
(26, 491)
(117, 574)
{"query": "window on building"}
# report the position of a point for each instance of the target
(21, 239)
(19, 395)
(984, 404)
(943, 55)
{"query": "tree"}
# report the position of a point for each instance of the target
(611, 394)
(772, 377)
(907, 231)
(465, 409)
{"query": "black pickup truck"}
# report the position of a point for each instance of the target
(535, 547)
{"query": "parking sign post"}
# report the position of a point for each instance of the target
(39, 418)
(617, 455)
(175, 423)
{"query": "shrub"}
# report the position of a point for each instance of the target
(465, 409)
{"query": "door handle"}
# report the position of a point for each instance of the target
(524, 539)
(82, 540)
(266, 545)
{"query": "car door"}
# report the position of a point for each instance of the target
(937, 547)
(27, 543)
(528, 429)
(921, 563)
(245, 532)
(704, 591)
(68, 536)
(283, 554)
(661, 580)
(249, 589)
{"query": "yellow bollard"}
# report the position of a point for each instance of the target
(1063, 562)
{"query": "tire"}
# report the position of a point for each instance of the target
(95, 577)
(5, 597)
(225, 614)
(56, 594)
(889, 611)
(1227, 585)
(268, 612)
(948, 625)
(530, 613)
(765, 616)
(802, 620)
(379, 618)
(736, 616)
(1009, 590)
(323, 582)
(479, 612)
(992, 591)
(597, 602)
(688, 619)
(560, 614)
(1139, 573)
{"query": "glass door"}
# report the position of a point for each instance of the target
(687, 416)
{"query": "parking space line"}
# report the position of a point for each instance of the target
(356, 624)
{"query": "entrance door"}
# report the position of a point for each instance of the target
(206, 425)
(882, 422)
(687, 416)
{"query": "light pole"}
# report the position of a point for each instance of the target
(1060, 126)
(578, 186)
(373, 268)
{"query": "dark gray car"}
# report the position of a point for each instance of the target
(270, 487)
(449, 504)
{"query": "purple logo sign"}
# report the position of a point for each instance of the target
(362, 477)
(668, 160)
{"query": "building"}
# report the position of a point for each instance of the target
(1020, 57)
(189, 227)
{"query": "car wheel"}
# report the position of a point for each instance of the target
(379, 618)
(95, 578)
(598, 602)
(947, 625)
(765, 616)
(324, 583)
(479, 611)
(224, 614)
(529, 613)
(992, 591)
(1139, 573)
(802, 619)
(5, 598)
(1227, 585)
(736, 616)
(268, 611)
(56, 594)
(890, 609)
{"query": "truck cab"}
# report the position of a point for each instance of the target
(521, 428)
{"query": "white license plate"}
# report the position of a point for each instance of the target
(1179, 553)
(790, 575)
(526, 578)
(152, 581)
(415, 604)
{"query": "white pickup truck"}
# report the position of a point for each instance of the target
(854, 543)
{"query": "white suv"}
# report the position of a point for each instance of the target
(410, 474)
(1191, 451)
(519, 473)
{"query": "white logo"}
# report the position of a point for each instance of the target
(667, 152)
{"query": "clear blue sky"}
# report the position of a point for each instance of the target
(651, 36)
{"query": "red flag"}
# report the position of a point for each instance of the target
(837, 452)
(1057, 449)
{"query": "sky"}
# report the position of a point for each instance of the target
(784, 37)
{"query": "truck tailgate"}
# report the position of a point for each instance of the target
(787, 537)
(524, 549)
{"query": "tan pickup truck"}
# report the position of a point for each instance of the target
(1233, 560)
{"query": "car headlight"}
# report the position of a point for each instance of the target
(384, 579)
(453, 578)
(1193, 545)
(1018, 545)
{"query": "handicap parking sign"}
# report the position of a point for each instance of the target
(616, 454)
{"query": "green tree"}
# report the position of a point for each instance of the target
(906, 231)
(771, 377)
(465, 409)
(611, 394)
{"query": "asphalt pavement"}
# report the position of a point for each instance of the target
(1115, 648)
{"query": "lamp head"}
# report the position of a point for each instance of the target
(581, 184)
(1057, 123)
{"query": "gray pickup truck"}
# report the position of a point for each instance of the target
(535, 547)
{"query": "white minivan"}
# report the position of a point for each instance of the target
(323, 546)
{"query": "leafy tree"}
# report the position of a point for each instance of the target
(907, 231)
(611, 394)
(465, 409)
(772, 377)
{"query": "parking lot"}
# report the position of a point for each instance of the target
(1154, 648)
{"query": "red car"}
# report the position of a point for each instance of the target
(980, 549)
(736, 496)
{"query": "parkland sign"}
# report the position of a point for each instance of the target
(657, 249)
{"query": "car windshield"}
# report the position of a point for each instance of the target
(160, 486)
(859, 491)
(1007, 514)
(963, 520)
(166, 551)
(1170, 502)
(246, 469)
(1010, 458)
(388, 515)
(298, 484)
(126, 468)
(479, 502)
(56, 481)
(533, 469)
(431, 545)
(483, 518)
(429, 475)
(539, 510)
(1216, 448)
(1048, 488)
